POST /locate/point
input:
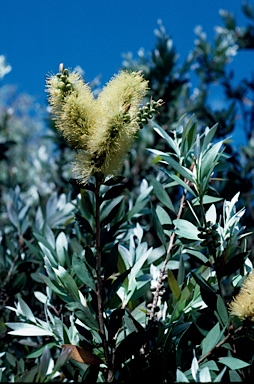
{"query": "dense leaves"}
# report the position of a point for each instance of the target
(129, 279)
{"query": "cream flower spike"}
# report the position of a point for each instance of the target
(73, 106)
(242, 305)
(101, 129)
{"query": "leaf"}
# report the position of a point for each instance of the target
(84, 223)
(49, 236)
(62, 359)
(233, 263)
(198, 255)
(83, 272)
(209, 160)
(206, 200)
(26, 310)
(173, 285)
(162, 194)
(207, 291)
(211, 339)
(186, 229)
(211, 214)
(204, 375)
(222, 311)
(180, 377)
(233, 363)
(194, 368)
(43, 366)
(87, 318)
(39, 351)
(13, 216)
(83, 313)
(184, 172)
(210, 364)
(34, 250)
(68, 281)
(138, 206)
(158, 227)
(114, 180)
(220, 375)
(28, 377)
(110, 261)
(114, 192)
(81, 355)
(189, 135)
(54, 288)
(116, 285)
(25, 329)
(61, 247)
(180, 182)
(110, 212)
(140, 260)
(168, 139)
(45, 245)
(208, 136)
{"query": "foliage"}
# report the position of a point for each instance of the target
(132, 276)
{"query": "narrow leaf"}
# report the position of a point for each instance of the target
(186, 229)
(162, 194)
(114, 192)
(84, 223)
(116, 285)
(168, 139)
(82, 272)
(25, 329)
(185, 172)
(233, 363)
(222, 311)
(180, 182)
(26, 310)
(211, 339)
(209, 161)
(158, 227)
(173, 285)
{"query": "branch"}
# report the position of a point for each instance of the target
(163, 268)
(217, 346)
(99, 291)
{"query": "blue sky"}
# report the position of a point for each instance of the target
(37, 35)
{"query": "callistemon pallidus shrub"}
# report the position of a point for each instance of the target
(102, 129)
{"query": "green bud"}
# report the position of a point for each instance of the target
(61, 85)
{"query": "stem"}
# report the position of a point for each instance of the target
(163, 268)
(223, 341)
(99, 291)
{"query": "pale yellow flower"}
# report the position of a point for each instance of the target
(242, 305)
(103, 129)
(117, 126)
(73, 106)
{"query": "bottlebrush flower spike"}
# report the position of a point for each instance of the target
(242, 305)
(102, 129)
(73, 106)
